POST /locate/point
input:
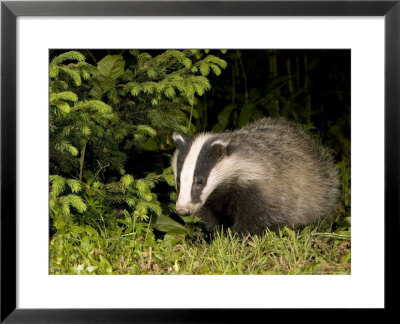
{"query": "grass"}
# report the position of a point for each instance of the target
(309, 251)
(286, 253)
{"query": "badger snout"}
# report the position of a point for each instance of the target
(187, 209)
(183, 211)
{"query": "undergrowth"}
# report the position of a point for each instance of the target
(313, 250)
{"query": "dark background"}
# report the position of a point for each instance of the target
(311, 87)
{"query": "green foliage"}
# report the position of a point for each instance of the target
(109, 69)
(137, 251)
(99, 114)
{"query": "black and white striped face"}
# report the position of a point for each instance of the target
(194, 163)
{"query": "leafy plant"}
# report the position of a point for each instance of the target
(99, 115)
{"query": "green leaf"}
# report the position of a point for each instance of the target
(65, 95)
(204, 68)
(77, 229)
(97, 90)
(170, 179)
(150, 145)
(346, 258)
(136, 89)
(71, 149)
(53, 71)
(59, 224)
(68, 56)
(172, 240)
(151, 73)
(141, 185)
(74, 185)
(346, 222)
(73, 75)
(216, 60)
(245, 114)
(90, 230)
(63, 107)
(57, 185)
(85, 131)
(223, 118)
(147, 130)
(187, 62)
(343, 234)
(127, 180)
(169, 92)
(191, 219)
(216, 69)
(168, 225)
(109, 69)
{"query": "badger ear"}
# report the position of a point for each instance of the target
(220, 148)
(179, 139)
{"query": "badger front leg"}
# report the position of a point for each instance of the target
(251, 217)
(209, 219)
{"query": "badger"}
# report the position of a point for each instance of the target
(267, 175)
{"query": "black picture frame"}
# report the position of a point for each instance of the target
(10, 10)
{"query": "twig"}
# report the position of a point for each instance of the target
(246, 93)
(191, 112)
(149, 262)
(92, 56)
(289, 73)
(144, 111)
(233, 85)
(82, 160)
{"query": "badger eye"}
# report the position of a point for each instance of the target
(200, 180)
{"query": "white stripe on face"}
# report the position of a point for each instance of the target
(187, 173)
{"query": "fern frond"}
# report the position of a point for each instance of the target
(68, 56)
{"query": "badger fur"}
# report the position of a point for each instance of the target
(268, 174)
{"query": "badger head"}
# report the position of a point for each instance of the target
(195, 163)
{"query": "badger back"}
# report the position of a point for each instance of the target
(300, 176)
